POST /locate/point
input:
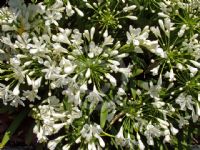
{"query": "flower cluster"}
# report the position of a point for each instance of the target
(95, 75)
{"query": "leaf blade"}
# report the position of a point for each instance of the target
(13, 127)
(104, 114)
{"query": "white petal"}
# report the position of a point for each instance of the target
(101, 142)
(132, 17)
(29, 81)
(195, 63)
(92, 31)
(53, 143)
(197, 109)
(120, 133)
(111, 79)
(16, 90)
(132, 7)
(105, 34)
(87, 74)
(80, 13)
(173, 130)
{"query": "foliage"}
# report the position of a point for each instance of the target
(112, 74)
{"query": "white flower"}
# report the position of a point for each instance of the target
(114, 62)
(88, 5)
(179, 66)
(195, 63)
(171, 75)
(199, 97)
(129, 8)
(197, 109)
(121, 92)
(111, 79)
(193, 70)
(16, 90)
(120, 140)
(126, 71)
(53, 143)
(182, 30)
(154, 90)
(183, 121)
(161, 24)
(167, 138)
(108, 41)
(155, 70)
(158, 104)
(57, 126)
(173, 130)
(52, 70)
(105, 34)
(94, 97)
(140, 144)
(22, 41)
(194, 116)
(75, 114)
(16, 100)
(150, 132)
(132, 17)
(156, 31)
(92, 31)
(31, 95)
(164, 124)
(63, 36)
(159, 51)
(94, 50)
(166, 26)
(91, 146)
(67, 65)
(185, 101)
(101, 141)
(120, 134)
(38, 46)
(87, 74)
(4, 93)
(69, 10)
(35, 83)
(66, 147)
(89, 132)
(161, 14)
(79, 12)
(38, 130)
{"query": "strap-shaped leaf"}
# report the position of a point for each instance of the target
(13, 127)
(137, 72)
(104, 114)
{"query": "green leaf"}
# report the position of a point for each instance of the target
(13, 127)
(92, 107)
(29, 136)
(104, 114)
(137, 72)
(133, 92)
(142, 84)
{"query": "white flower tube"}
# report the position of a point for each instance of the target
(140, 144)
(53, 143)
(129, 8)
(101, 141)
(111, 79)
(16, 90)
(87, 74)
(173, 130)
(195, 63)
(79, 12)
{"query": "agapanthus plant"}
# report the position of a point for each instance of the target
(94, 76)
